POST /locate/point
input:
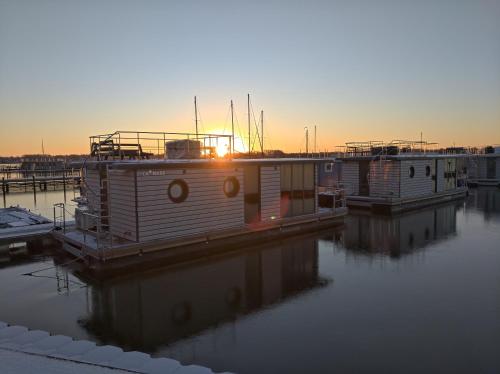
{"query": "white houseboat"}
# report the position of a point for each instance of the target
(399, 176)
(484, 167)
(157, 196)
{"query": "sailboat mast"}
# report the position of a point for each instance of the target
(232, 128)
(196, 117)
(314, 138)
(262, 132)
(249, 132)
(307, 142)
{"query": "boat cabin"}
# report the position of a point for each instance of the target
(395, 179)
(484, 167)
(139, 201)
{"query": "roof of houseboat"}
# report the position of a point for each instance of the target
(175, 163)
(403, 156)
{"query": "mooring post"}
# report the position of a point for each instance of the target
(4, 191)
(64, 183)
(34, 187)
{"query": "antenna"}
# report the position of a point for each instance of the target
(196, 117)
(232, 127)
(249, 133)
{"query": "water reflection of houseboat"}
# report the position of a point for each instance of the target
(400, 234)
(151, 309)
(140, 206)
(487, 201)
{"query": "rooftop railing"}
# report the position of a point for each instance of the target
(153, 145)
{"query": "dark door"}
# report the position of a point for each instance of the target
(491, 166)
(364, 170)
(435, 176)
(252, 194)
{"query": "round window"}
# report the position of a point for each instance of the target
(411, 172)
(178, 190)
(231, 186)
(427, 170)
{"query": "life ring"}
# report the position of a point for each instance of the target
(231, 186)
(178, 190)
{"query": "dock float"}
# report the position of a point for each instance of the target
(59, 353)
(17, 223)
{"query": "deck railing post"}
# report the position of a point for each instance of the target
(139, 148)
(164, 147)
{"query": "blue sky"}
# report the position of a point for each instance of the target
(357, 69)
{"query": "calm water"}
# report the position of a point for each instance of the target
(43, 203)
(415, 293)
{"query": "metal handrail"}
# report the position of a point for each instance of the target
(147, 143)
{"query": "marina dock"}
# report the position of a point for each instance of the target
(34, 351)
(17, 223)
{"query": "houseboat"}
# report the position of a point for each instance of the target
(401, 176)
(153, 195)
(484, 167)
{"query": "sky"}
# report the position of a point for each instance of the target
(356, 69)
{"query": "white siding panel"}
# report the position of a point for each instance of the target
(92, 189)
(420, 184)
(205, 209)
(350, 177)
(122, 205)
(384, 178)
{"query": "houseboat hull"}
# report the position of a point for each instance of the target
(146, 254)
(398, 205)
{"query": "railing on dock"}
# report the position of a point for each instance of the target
(100, 232)
(93, 228)
(339, 199)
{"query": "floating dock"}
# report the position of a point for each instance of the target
(17, 223)
(34, 351)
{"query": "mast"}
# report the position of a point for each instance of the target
(262, 132)
(249, 133)
(232, 128)
(196, 117)
(314, 138)
(307, 141)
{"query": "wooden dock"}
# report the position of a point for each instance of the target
(40, 183)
